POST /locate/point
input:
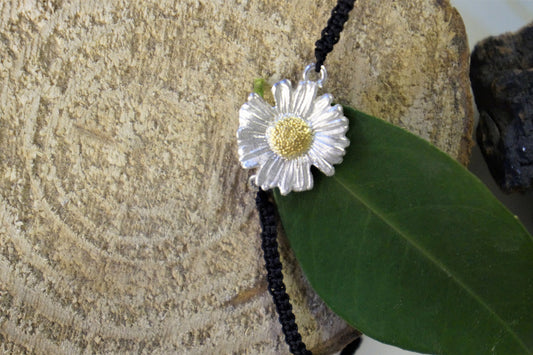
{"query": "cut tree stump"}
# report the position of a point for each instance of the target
(126, 222)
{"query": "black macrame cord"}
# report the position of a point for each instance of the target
(267, 212)
(276, 287)
(331, 33)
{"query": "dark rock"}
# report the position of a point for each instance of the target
(502, 80)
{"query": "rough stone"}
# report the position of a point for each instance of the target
(126, 222)
(502, 81)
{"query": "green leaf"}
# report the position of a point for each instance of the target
(413, 250)
(259, 86)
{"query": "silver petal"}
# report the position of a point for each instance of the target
(337, 127)
(324, 117)
(299, 168)
(307, 179)
(286, 182)
(269, 174)
(276, 172)
(252, 130)
(303, 97)
(282, 95)
(247, 136)
(334, 130)
(253, 145)
(318, 159)
(256, 110)
(321, 104)
(251, 157)
(303, 178)
(331, 152)
(296, 176)
(336, 141)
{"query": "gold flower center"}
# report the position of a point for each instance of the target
(290, 137)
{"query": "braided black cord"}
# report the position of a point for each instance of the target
(267, 212)
(276, 287)
(331, 33)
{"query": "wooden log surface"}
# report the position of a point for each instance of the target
(126, 222)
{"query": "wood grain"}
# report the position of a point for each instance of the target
(126, 223)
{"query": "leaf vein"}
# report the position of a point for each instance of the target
(432, 259)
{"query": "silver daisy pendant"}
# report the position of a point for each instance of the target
(284, 141)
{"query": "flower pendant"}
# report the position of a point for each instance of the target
(284, 141)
